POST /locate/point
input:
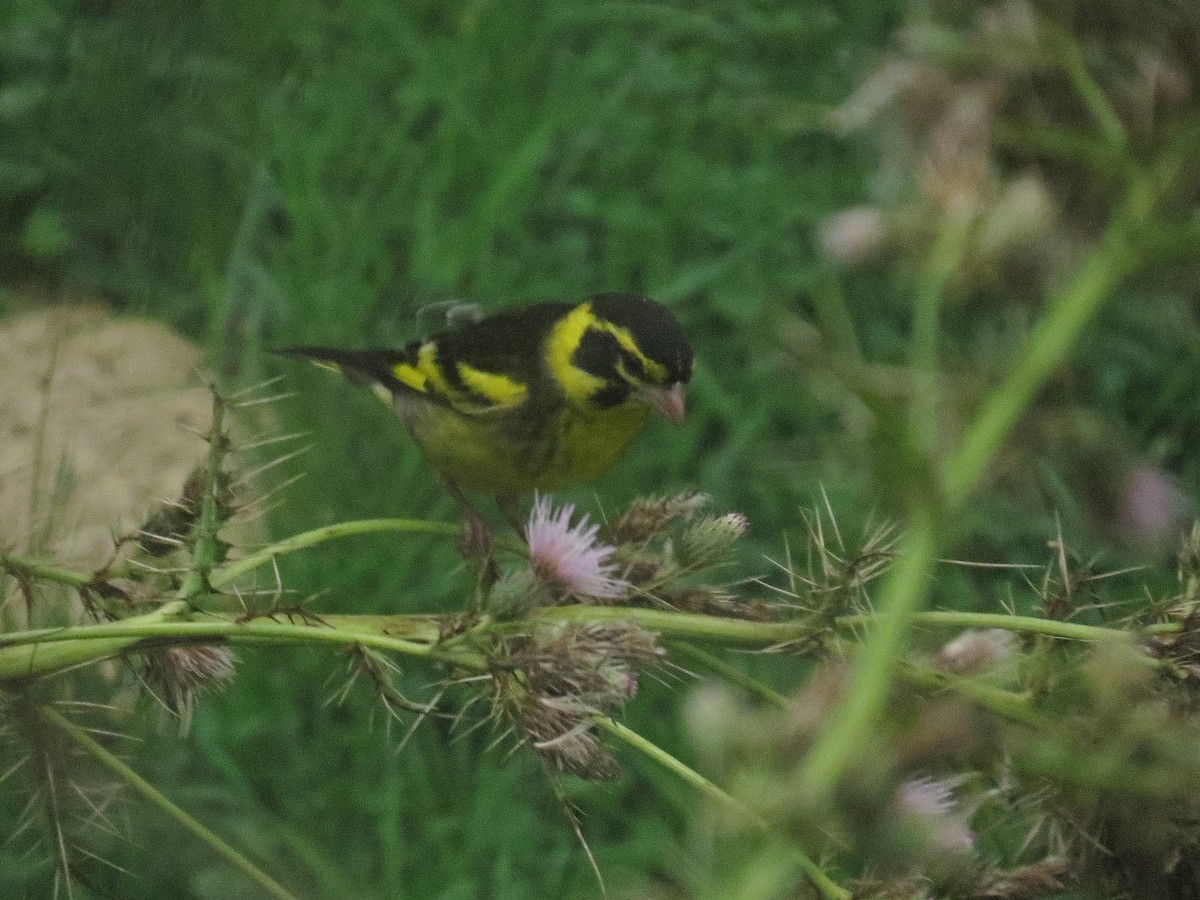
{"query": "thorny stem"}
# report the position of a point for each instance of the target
(687, 626)
(1074, 631)
(1047, 346)
(1015, 707)
(27, 654)
(906, 587)
(152, 794)
(844, 736)
(729, 673)
(206, 549)
(234, 570)
(34, 653)
(225, 574)
(825, 886)
(18, 564)
(997, 700)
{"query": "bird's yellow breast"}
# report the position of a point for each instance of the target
(499, 454)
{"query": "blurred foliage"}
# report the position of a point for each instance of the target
(1008, 136)
(267, 173)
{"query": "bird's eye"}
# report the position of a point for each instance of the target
(597, 354)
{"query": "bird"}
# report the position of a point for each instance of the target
(528, 399)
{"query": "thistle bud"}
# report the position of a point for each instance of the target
(710, 540)
(516, 593)
(648, 517)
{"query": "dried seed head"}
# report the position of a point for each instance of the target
(553, 681)
(853, 236)
(1035, 880)
(975, 651)
(171, 525)
(1182, 649)
(930, 803)
(649, 517)
(562, 734)
(183, 673)
(710, 540)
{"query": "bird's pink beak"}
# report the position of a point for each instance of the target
(667, 400)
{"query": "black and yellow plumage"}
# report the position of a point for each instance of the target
(534, 398)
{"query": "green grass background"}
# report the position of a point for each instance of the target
(265, 173)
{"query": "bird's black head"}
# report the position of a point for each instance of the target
(613, 347)
(660, 353)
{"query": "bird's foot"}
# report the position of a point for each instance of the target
(510, 509)
(475, 546)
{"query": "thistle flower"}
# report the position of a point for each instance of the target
(1153, 506)
(931, 802)
(568, 556)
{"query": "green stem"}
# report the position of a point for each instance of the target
(29, 654)
(1030, 624)
(729, 673)
(1092, 94)
(848, 732)
(35, 653)
(39, 652)
(997, 700)
(837, 325)
(825, 885)
(236, 569)
(17, 565)
(159, 799)
(207, 549)
(1046, 348)
(688, 626)
(944, 259)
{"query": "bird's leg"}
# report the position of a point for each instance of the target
(510, 510)
(476, 543)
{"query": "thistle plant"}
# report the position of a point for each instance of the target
(1040, 742)
(975, 742)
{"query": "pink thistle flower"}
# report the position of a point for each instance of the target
(931, 802)
(568, 556)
